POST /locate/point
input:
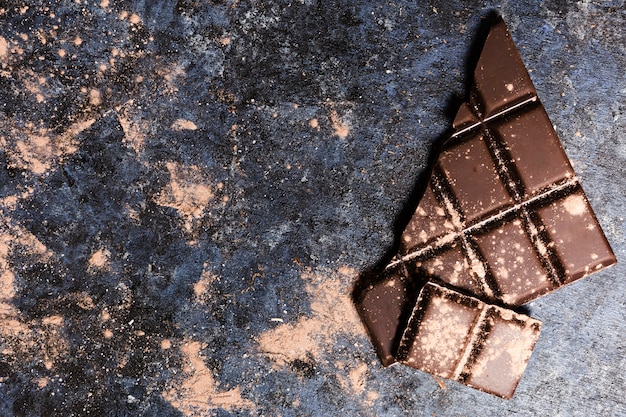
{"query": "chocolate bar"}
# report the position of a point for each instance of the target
(504, 216)
(503, 220)
(458, 337)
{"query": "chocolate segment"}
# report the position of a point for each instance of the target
(473, 179)
(500, 79)
(502, 178)
(579, 243)
(451, 265)
(509, 252)
(439, 331)
(458, 337)
(384, 307)
(465, 118)
(504, 347)
(534, 149)
(428, 222)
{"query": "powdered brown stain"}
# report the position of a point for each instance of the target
(41, 340)
(183, 124)
(99, 260)
(38, 149)
(202, 288)
(332, 314)
(4, 49)
(198, 394)
(340, 127)
(187, 192)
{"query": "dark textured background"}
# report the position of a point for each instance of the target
(189, 190)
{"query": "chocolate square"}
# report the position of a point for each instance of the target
(509, 252)
(575, 236)
(535, 154)
(439, 330)
(473, 179)
(451, 266)
(384, 307)
(502, 352)
(429, 222)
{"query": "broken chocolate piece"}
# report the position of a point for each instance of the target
(458, 337)
(504, 194)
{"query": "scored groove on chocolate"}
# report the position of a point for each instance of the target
(476, 340)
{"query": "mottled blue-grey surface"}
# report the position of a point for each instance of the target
(189, 190)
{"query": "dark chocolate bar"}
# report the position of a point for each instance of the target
(504, 216)
(503, 220)
(458, 337)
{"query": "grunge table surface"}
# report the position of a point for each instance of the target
(189, 190)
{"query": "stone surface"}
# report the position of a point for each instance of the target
(189, 190)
